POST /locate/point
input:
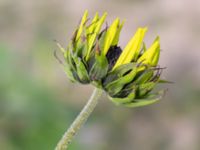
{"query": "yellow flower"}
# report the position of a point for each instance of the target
(132, 49)
(94, 56)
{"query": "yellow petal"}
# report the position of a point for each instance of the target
(99, 23)
(91, 27)
(151, 56)
(132, 49)
(110, 34)
(83, 20)
(116, 38)
(92, 37)
(97, 26)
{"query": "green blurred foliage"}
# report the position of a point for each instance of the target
(30, 116)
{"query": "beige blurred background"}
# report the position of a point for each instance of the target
(38, 102)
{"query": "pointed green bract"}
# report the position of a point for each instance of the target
(144, 76)
(143, 89)
(118, 73)
(116, 86)
(81, 70)
(67, 66)
(99, 68)
(142, 102)
(119, 101)
(164, 81)
(150, 99)
(60, 47)
(131, 51)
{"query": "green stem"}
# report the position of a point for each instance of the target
(79, 121)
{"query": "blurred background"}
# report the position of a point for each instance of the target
(38, 102)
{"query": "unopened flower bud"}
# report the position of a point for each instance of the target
(128, 76)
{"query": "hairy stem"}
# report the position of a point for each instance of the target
(79, 121)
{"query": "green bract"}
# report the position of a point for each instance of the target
(128, 76)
